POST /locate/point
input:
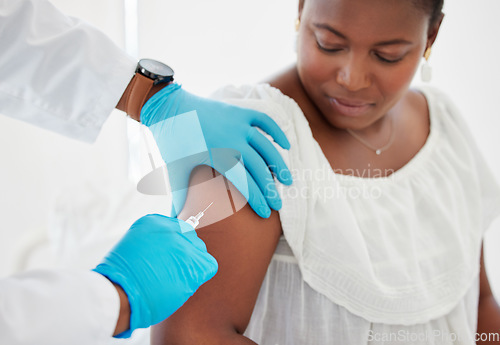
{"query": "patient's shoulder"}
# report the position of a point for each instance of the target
(287, 82)
(228, 207)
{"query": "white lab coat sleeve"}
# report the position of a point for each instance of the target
(57, 308)
(58, 72)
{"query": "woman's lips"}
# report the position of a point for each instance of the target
(349, 107)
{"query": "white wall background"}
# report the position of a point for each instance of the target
(209, 44)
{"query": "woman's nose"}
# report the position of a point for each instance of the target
(353, 74)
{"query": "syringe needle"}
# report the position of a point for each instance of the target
(194, 221)
(207, 207)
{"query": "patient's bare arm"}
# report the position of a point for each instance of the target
(243, 244)
(488, 321)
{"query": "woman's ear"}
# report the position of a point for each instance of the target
(433, 31)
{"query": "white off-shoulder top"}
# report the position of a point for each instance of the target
(372, 260)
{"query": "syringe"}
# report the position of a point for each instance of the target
(194, 221)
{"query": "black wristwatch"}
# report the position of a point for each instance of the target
(157, 71)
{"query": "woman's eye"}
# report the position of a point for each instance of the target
(388, 60)
(327, 49)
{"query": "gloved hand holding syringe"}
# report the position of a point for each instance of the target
(152, 248)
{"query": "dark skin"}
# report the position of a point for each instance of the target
(355, 70)
(123, 322)
(488, 309)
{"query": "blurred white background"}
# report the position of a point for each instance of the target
(51, 185)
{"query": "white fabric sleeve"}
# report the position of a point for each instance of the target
(57, 307)
(488, 185)
(58, 72)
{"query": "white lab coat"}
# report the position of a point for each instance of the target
(61, 74)
(58, 72)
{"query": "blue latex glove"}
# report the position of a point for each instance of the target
(158, 267)
(191, 131)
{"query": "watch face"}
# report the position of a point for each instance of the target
(154, 69)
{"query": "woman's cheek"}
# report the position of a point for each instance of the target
(313, 66)
(399, 80)
(305, 62)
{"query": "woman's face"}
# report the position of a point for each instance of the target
(356, 58)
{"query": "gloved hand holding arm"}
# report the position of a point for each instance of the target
(158, 267)
(192, 131)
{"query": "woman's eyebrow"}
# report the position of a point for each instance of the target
(341, 35)
(394, 41)
(332, 30)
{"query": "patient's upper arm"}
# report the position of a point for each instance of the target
(243, 244)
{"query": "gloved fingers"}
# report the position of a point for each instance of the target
(207, 262)
(258, 169)
(269, 126)
(206, 269)
(233, 169)
(208, 266)
(255, 199)
(190, 234)
(271, 156)
(166, 233)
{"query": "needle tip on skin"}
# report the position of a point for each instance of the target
(207, 207)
